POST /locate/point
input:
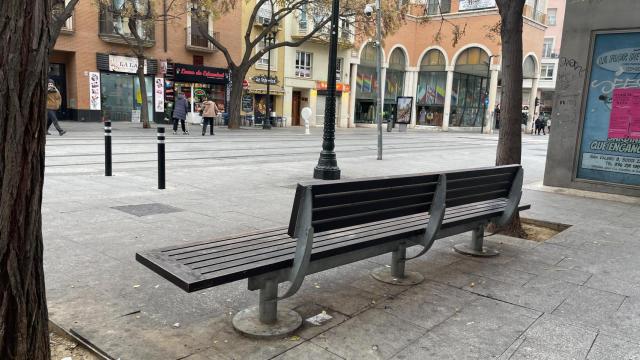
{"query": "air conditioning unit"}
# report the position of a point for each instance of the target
(263, 20)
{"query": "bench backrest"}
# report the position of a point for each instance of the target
(345, 203)
(476, 185)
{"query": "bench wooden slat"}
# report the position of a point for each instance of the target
(219, 251)
(260, 266)
(230, 270)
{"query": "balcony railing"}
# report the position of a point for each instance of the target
(197, 42)
(110, 27)
(345, 37)
(534, 14)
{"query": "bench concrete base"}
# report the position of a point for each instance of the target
(248, 323)
(476, 247)
(384, 274)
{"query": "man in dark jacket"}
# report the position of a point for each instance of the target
(540, 126)
(180, 110)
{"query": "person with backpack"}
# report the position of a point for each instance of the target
(180, 110)
(209, 112)
(54, 100)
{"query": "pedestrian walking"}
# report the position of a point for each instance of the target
(54, 100)
(209, 112)
(540, 124)
(549, 125)
(180, 110)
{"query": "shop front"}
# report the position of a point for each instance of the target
(196, 83)
(321, 100)
(120, 95)
(432, 81)
(257, 97)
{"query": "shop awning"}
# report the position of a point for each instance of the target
(262, 89)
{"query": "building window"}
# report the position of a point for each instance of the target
(113, 24)
(546, 71)
(198, 60)
(547, 48)
(68, 25)
(432, 7)
(265, 13)
(199, 26)
(339, 70)
(264, 60)
(304, 64)
(551, 17)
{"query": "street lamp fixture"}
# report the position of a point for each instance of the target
(327, 168)
(268, 40)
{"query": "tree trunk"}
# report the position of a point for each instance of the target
(24, 40)
(237, 78)
(144, 111)
(510, 139)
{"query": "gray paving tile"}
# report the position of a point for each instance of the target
(552, 271)
(494, 271)
(552, 338)
(483, 329)
(373, 334)
(612, 283)
(611, 348)
(428, 304)
(308, 350)
(590, 306)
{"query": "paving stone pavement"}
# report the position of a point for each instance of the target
(575, 296)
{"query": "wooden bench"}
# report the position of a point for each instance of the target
(336, 223)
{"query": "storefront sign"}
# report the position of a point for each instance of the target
(263, 79)
(476, 4)
(340, 87)
(247, 103)
(610, 144)
(125, 64)
(94, 91)
(200, 74)
(159, 94)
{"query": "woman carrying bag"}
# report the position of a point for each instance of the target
(209, 111)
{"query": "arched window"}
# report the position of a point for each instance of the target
(394, 86)
(366, 86)
(398, 60)
(469, 94)
(430, 95)
(529, 68)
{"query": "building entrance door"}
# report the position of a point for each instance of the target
(295, 109)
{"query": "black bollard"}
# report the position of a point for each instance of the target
(107, 148)
(161, 158)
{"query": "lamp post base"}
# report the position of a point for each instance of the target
(327, 168)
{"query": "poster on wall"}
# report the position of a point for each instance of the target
(403, 109)
(476, 4)
(159, 94)
(610, 143)
(94, 91)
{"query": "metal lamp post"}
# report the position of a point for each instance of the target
(327, 168)
(486, 107)
(271, 37)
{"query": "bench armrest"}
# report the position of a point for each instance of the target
(515, 194)
(436, 216)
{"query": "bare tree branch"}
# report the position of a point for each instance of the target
(58, 20)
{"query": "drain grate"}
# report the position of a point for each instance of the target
(147, 209)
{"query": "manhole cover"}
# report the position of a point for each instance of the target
(147, 209)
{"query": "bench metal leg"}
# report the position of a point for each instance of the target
(396, 274)
(476, 247)
(265, 320)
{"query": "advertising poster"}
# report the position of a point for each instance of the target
(94, 91)
(403, 109)
(159, 94)
(610, 146)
